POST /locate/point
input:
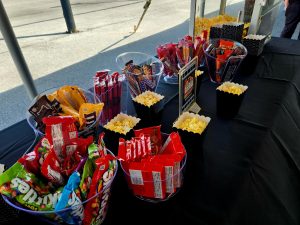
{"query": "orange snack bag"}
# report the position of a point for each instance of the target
(71, 96)
(70, 111)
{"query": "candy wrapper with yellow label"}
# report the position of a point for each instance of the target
(89, 114)
(229, 98)
(68, 101)
(148, 107)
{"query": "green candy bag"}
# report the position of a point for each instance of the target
(27, 189)
(86, 178)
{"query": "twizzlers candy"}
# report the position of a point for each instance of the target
(108, 88)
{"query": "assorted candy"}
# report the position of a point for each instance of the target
(175, 55)
(122, 123)
(66, 101)
(232, 88)
(65, 170)
(152, 173)
(148, 98)
(62, 172)
(142, 78)
(192, 122)
(227, 56)
(108, 87)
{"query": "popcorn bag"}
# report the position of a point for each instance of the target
(148, 107)
(254, 44)
(233, 31)
(229, 98)
(121, 126)
(191, 128)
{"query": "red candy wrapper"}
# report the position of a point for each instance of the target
(155, 136)
(147, 179)
(173, 145)
(33, 160)
(95, 209)
(60, 131)
(134, 150)
(108, 88)
(171, 165)
(51, 169)
(136, 178)
(154, 176)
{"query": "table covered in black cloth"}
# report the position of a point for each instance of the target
(249, 172)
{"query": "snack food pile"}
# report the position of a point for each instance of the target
(66, 101)
(176, 55)
(141, 77)
(153, 171)
(148, 98)
(62, 171)
(202, 24)
(222, 51)
(232, 88)
(108, 87)
(192, 122)
(122, 123)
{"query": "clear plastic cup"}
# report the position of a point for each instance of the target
(53, 217)
(139, 83)
(222, 70)
(176, 179)
(115, 99)
(91, 98)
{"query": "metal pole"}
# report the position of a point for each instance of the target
(222, 7)
(238, 19)
(202, 8)
(68, 14)
(192, 18)
(146, 6)
(15, 51)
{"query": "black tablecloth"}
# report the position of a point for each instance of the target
(249, 170)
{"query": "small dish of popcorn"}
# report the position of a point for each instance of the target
(148, 106)
(229, 98)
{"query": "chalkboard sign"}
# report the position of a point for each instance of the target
(187, 87)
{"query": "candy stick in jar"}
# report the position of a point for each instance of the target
(110, 99)
(120, 79)
(115, 76)
(102, 85)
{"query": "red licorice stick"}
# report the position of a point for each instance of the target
(119, 79)
(110, 98)
(115, 76)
